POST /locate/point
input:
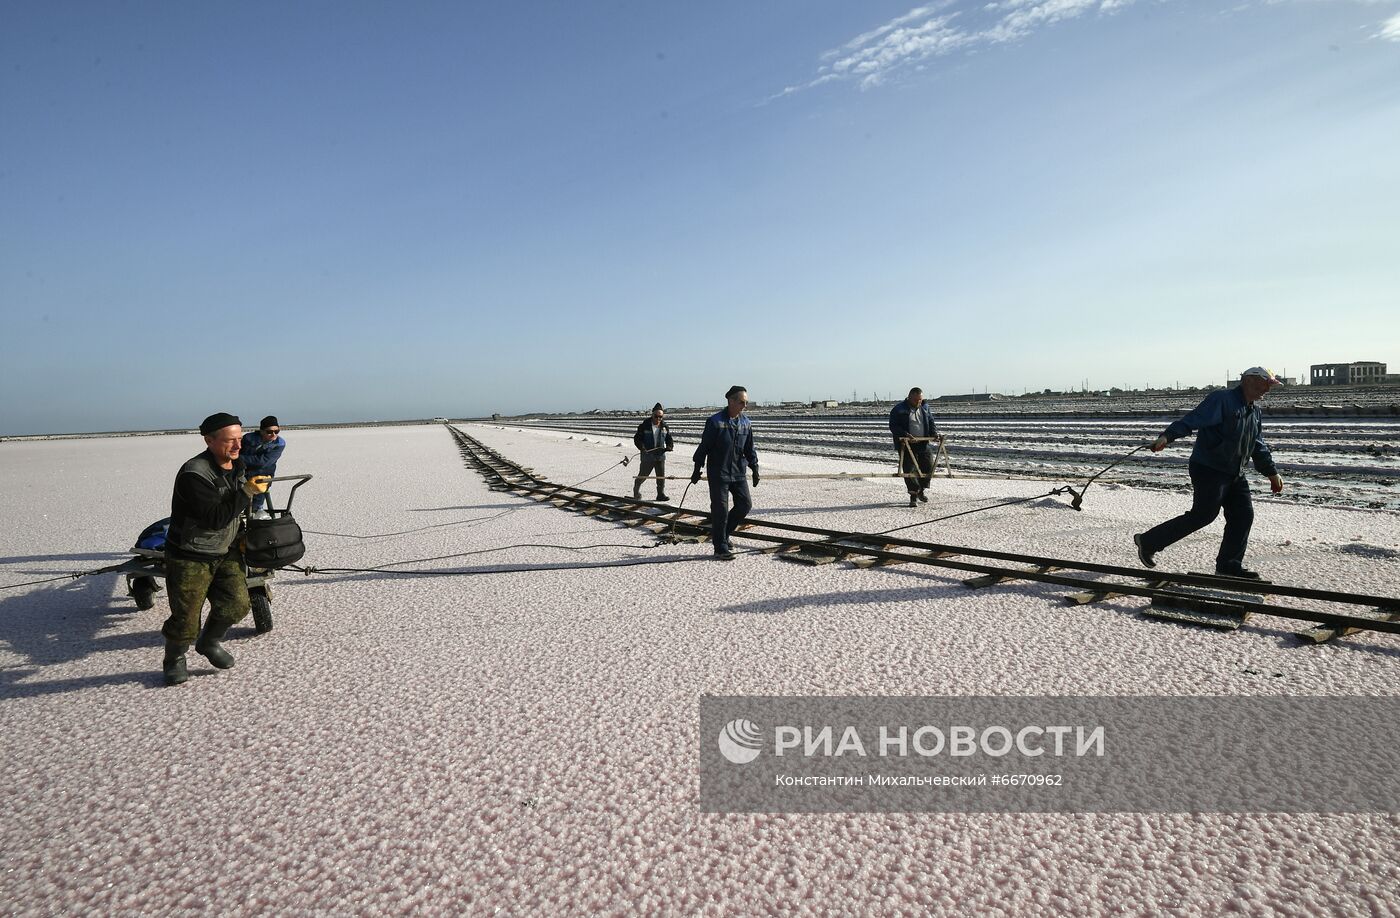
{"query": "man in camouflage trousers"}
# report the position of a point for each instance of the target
(202, 557)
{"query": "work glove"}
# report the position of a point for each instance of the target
(695, 479)
(755, 478)
(1159, 444)
(257, 485)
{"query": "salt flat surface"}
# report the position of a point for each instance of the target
(526, 743)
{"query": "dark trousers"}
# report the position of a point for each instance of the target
(723, 521)
(650, 466)
(189, 583)
(923, 454)
(1213, 491)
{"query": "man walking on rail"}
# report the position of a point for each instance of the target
(653, 441)
(914, 431)
(261, 450)
(725, 448)
(1229, 423)
(202, 557)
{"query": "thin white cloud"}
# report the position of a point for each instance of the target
(909, 40)
(1029, 16)
(914, 15)
(1390, 29)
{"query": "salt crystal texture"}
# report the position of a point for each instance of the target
(526, 742)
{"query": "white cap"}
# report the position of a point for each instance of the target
(1263, 373)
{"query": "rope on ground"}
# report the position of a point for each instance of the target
(1065, 489)
(524, 569)
(474, 519)
(385, 535)
(75, 575)
(480, 551)
(1007, 503)
(386, 568)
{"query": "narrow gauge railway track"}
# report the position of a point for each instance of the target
(1326, 463)
(1202, 591)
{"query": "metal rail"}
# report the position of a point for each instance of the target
(1155, 585)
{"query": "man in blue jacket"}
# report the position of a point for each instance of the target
(725, 448)
(913, 418)
(1229, 423)
(261, 450)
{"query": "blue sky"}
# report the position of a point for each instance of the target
(346, 211)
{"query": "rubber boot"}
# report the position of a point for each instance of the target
(174, 666)
(208, 644)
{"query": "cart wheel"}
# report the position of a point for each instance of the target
(143, 590)
(262, 612)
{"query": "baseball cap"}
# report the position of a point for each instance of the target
(1263, 373)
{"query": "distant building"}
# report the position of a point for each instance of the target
(828, 403)
(1362, 372)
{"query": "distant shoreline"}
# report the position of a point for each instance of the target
(1297, 401)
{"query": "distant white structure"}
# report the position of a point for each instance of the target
(1358, 372)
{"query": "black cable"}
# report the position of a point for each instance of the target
(1079, 495)
(630, 562)
(1008, 503)
(73, 576)
(480, 519)
(385, 535)
(475, 519)
(385, 568)
(487, 551)
(676, 518)
(381, 569)
(623, 461)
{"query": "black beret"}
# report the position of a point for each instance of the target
(218, 421)
(269, 421)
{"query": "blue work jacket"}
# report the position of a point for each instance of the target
(259, 456)
(642, 439)
(1229, 434)
(899, 421)
(722, 452)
